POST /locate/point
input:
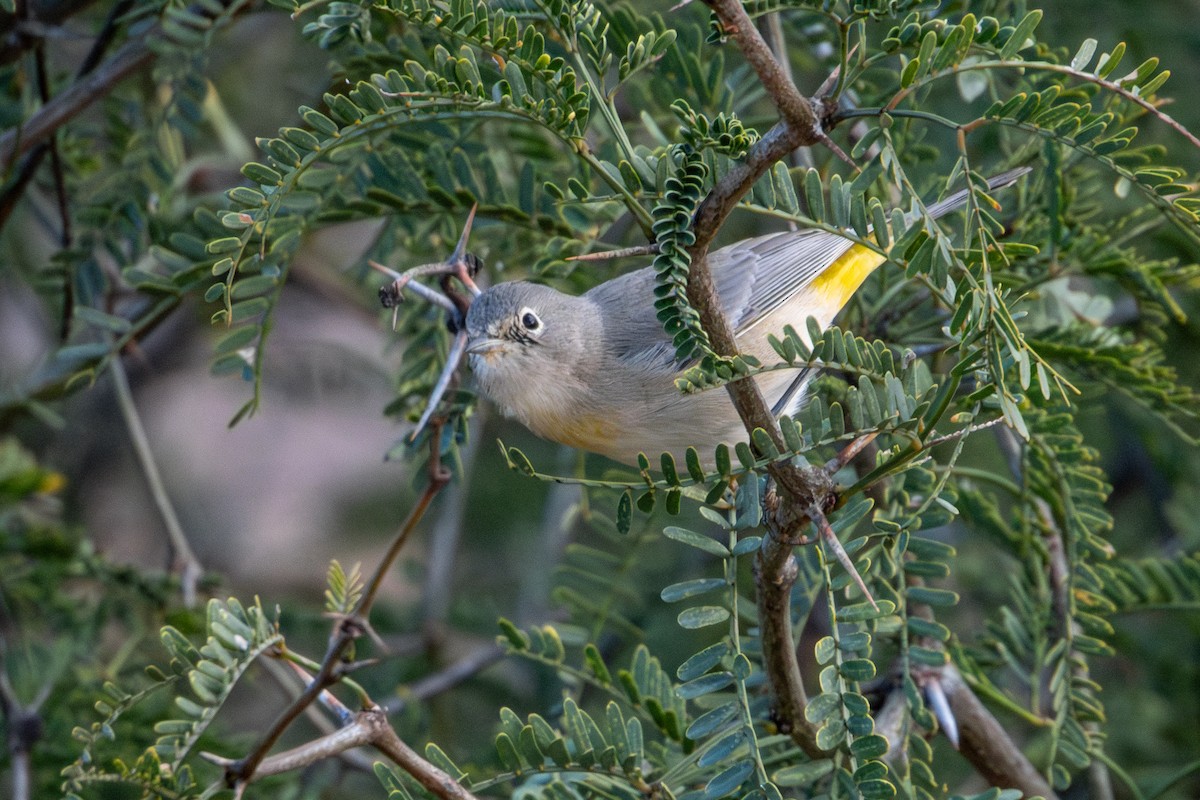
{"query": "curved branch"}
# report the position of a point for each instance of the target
(369, 727)
(984, 742)
(71, 102)
(802, 488)
(1088, 77)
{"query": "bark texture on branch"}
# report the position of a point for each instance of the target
(985, 743)
(776, 568)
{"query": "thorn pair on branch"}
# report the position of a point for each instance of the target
(460, 265)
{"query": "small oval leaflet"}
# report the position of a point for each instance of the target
(803, 774)
(712, 721)
(825, 649)
(697, 540)
(704, 685)
(685, 589)
(864, 611)
(724, 783)
(873, 746)
(747, 545)
(722, 748)
(702, 662)
(702, 616)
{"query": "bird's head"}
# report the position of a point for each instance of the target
(526, 343)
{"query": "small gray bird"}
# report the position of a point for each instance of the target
(597, 371)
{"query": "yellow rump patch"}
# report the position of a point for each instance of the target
(841, 279)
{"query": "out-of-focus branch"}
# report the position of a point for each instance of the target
(32, 23)
(190, 568)
(446, 679)
(70, 102)
(88, 88)
(333, 666)
(25, 727)
(984, 742)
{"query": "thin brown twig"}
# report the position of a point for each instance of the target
(605, 255)
(369, 727)
(800, 126)
(446, 679)
(240, 772)
(771, 27)
(850, 452)
(795, 108)
(292, 679)
(190, 568)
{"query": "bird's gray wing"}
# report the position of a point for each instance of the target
(755, 277)
(632, 332)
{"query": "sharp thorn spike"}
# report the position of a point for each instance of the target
(839, 552)
(939, 704)
(460, 250)
(457, 349)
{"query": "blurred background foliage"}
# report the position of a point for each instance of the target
(88, 571)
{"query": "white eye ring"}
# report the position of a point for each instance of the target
(529, 320)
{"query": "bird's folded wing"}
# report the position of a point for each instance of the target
(756, 277)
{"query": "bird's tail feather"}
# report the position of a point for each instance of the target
(959, 198)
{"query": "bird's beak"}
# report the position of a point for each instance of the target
(481, 347)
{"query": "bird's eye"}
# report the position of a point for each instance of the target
(530, 320)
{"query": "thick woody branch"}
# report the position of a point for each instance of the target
(984, 742)
(369, 727)
(800, 126)
(797, 111)
(433, 779)
(776, 573)
(801, 489)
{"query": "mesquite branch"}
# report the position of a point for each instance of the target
(369, 726)
(803, 492)
(801, 489)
